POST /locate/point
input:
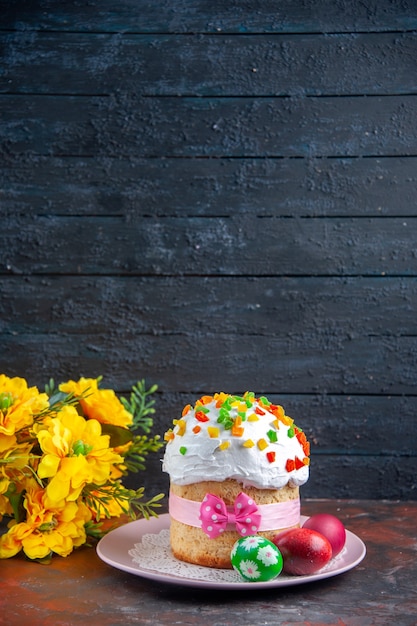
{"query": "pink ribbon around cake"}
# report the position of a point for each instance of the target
(247, 517)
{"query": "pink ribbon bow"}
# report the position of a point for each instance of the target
(215, 515)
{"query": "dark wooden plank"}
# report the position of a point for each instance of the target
(210, 16)
(362, 476)
(295, 364)
(293, 274)
(271, 65)
(269, 307)
(210, 246)
(209, 187)
(126, 125)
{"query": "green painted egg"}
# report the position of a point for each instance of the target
(256, 559)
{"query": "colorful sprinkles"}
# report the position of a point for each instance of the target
(234, 412)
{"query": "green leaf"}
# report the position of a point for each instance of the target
(118, 436)
(57, 398)
(141, 406)
(16, 502)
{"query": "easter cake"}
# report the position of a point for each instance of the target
(235, 464)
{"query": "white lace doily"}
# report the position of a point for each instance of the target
(154, 554)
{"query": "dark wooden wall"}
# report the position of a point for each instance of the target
(220, 196)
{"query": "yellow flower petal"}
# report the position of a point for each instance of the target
(48, 466)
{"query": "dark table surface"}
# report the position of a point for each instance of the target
(82, 589)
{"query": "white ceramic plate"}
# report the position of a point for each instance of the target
(117, 546)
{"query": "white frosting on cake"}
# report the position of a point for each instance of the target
(238, 437)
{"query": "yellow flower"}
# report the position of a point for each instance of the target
(18, 406)
(4, 485)
(5, 508)
(75, 453)
(14, 466)
(11, 490)
(62, 461)
(46, 529)
(100, 404)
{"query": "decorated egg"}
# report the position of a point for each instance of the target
(256, 559)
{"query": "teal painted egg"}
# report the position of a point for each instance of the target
(256, 559)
